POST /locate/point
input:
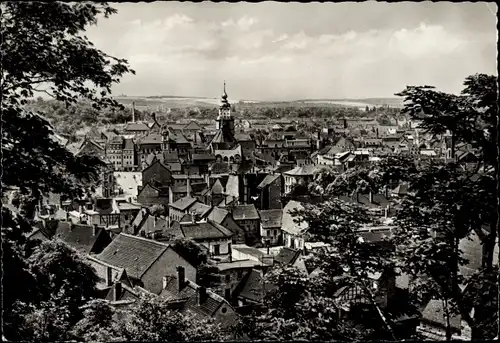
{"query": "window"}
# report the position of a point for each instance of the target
(224, 310)
(228, 277)
(217, 249)
(227, 294)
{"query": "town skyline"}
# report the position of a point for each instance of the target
(267, 51)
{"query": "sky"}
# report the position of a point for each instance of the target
(291, 51)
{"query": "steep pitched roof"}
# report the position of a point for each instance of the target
(200, 209)
(245, 212)
(434, 313)
(134, 254)
(254, 287)
(267, 181)
(81, 237)
(189, 293)
(217, 187)
(271, 218)
(218, 215)
(184, 203)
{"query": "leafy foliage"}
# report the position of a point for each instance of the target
(44, 51)
(150, 319)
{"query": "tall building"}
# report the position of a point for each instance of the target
(224, 138)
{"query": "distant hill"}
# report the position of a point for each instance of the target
(196, 101)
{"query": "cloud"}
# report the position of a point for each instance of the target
(179, 50)
(425, 40)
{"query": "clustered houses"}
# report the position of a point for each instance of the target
(229, 191)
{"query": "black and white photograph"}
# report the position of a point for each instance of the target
(249, 171)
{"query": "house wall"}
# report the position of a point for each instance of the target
(158, 172)
(230, 279)
(251, 228)
(275, 194)
(166, 265)
(149, 196)
(239, 233)
(210, 245)
(175, 214)
(226, 316)
(274, 235)
(292, 241)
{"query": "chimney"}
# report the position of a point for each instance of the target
(202, 295)
(230, 252)
(67, 216)
(181, 278)
(94, 230)
(133, 111)
(386, 211)
(165, 281)
(370, 195)
(109, 276)
(117, 291)
(193, 217)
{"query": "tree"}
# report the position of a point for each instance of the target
(44, 284)
(151, 319)
(44, 51)
(158, 210)
(471, 118)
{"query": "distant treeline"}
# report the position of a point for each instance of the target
(68, 121)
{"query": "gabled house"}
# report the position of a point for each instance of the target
(158, 174)
(216, 238)
(178, 209)
(150, 195)
(223, 217)
(247, 217)
(270, 226)
(146, 261)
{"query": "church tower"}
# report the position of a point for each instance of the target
(225, 120)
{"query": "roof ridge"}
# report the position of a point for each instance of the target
(145, 239)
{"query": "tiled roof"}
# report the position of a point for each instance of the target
(218, 215)
(153, 138)
(288, 224)
(245, 212)
(81, 237)
(190, 293)
(217, 188)
(255, 287)
(271, 218)
(134, 254)
(287, 256)
(200, 209)
(205, 230)
(268, 180)
(184, 203)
